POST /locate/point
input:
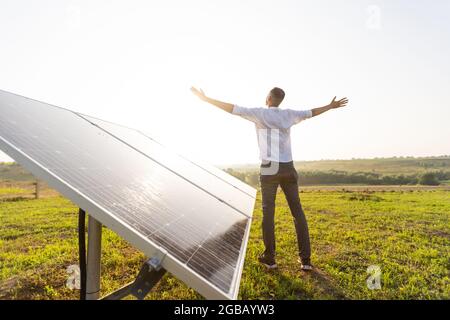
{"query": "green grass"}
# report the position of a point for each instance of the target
(406, 233)
(9, 191)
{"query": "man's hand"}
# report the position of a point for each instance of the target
(338, 104)
(333, 105)
(228, 107)
(198, 93)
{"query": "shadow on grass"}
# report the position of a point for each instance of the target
(37, 284)
(313, 285)
(15, 199)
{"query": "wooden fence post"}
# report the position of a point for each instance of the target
(37, 193)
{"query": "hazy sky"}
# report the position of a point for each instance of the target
(133, 62)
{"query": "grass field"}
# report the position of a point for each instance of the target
(405, 232)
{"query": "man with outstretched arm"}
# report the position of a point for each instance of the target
(277, 167)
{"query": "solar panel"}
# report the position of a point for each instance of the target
(158, 201)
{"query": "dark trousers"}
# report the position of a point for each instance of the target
(287, 178)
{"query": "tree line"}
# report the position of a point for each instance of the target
(343, 177)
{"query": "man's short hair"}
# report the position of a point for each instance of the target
(277, 95)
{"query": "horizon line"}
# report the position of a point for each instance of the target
(315, 160)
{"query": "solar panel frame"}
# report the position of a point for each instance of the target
(148, 247)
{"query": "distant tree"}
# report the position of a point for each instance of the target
(428, 179)
(252, 179)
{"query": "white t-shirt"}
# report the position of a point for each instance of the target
(273, 129)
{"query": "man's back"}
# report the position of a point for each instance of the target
(273, 129)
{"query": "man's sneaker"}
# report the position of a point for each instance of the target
(306, 266)
(268, 263)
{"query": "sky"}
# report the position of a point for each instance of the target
(133, 62)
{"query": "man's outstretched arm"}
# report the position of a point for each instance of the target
(333, 105)
(228, 107)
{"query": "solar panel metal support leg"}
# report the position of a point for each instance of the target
(149, 275)
(93, 259)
